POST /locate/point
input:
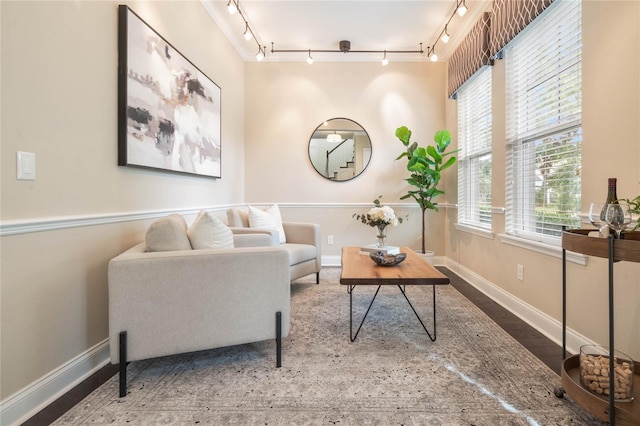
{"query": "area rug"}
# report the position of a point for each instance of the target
(473, 374)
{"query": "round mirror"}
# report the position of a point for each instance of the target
(339, 149)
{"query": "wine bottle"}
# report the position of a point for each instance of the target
(612, 197)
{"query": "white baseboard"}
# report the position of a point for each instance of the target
(27, 402)
(330, 261)
(548, 326)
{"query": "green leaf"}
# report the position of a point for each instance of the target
(435, 154)
(449, 163)
(420, 152)
(416, 166)
(404, 134)
(442, 139)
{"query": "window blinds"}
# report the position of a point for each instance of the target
(474, 159)
(544, 134)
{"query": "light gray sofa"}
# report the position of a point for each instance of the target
(302, 242)
(170, 302)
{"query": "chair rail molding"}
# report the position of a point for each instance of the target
(26, 226)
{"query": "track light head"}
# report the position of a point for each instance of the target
(231, 7)
(385, 61)
(247, 33)
(445, 36)
(462, 8)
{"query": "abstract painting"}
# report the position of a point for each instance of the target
(168, 110)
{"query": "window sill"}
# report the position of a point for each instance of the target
(543, 248)
(485, 233)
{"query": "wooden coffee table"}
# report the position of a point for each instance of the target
(359, 269)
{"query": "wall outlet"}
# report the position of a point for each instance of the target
(521, 272)
(329, 239)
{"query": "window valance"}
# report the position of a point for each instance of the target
(489, 35)
(509, 17)
(470, 55)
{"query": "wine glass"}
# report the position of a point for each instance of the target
(596, 217)
(618, 216)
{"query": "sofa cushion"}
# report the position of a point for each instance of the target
(299, 253)
(167, 234)
(237, 218)
(267, 219)
(208, 232)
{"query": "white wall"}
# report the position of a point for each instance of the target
(59, 84)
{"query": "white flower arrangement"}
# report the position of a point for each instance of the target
(379, 215)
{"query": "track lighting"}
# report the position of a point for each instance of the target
(344, 47)
(445, 36)
(247, 33)
(462, 8)
(231, 7)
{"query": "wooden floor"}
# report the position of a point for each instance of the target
(543, 348)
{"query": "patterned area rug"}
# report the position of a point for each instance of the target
(473, 374)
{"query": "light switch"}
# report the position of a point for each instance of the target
(26, 166)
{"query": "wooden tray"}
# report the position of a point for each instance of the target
(627, 413)
(579, 241)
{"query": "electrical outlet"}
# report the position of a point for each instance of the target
(521, 272)
(329, 239)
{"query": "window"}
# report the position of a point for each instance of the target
(544, 125)
(474, 141)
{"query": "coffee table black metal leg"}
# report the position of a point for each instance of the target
(433, 338)
(350, 290)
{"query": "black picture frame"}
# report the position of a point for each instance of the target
(169, 112)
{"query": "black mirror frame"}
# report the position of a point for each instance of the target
(319, 127)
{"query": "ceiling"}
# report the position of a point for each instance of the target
(369, 25)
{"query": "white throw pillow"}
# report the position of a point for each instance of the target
(269, 219)
(167, 234)
(208, 232)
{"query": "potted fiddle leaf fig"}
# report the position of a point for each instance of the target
(425, 166)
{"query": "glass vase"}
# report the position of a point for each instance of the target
(381, 236)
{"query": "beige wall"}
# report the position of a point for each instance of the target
(287, 101)
(59, 81)
(611, 148)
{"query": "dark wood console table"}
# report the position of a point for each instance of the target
(604, 408)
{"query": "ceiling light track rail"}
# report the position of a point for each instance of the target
(345, 47)
(274, 50)
(444, 36)
(233, 6)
